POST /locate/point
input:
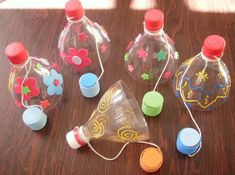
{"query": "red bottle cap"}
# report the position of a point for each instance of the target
(213, 46)
(16, 53)
(154, 19)
(74, 10)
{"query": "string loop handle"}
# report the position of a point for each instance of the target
(121, 150)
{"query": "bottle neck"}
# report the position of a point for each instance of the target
(76, 21)
(205, 58)
(153, 33)
(22, 65)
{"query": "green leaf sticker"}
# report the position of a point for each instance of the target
(145, 76)
(25, 90)
(38, 66)
(126, 57)
(161, 55)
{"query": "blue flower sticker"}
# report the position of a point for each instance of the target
(54, 82)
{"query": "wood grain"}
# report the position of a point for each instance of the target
(23, 152)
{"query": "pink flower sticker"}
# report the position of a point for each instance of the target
(82, 36)
(130, 68)
(103, 48)
(142, 53)
(78, 58)
(167, 75)
(29, 89)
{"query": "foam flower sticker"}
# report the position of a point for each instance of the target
(54, 82)
(29, 89)
(78, 58)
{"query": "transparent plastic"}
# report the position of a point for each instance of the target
(206, 84)
(43, 85)
(147, 56)
(79, 44)
(117, 118)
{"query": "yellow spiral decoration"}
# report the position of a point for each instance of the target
(97, 126)
(105, 101)
(96, 129)
(127, 134)
(103, 120)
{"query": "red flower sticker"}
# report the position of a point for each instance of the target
(78, 58)
(29, 89)
(19, 104)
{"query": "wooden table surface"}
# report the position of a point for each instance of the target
(23, 151)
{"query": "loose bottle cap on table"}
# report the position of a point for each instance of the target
(152, 103)
(16, 53)
(213, 46)
(154, 19)
(151, 159)
(34, 118)
(188, 141)
(89, 85)
(74, 10)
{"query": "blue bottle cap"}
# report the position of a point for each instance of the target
(34, 118)
(188, 141)
(89, 85)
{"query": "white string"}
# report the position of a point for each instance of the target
(25, 77)
(96, 45)
(189, 111)
(120, 152)
(168, 59)
(181, 82)
(200, 146)
(70, 19)
(98, 54)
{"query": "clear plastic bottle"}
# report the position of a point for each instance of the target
(82, 40)
(206, 81)
(147, 56)
(33, 81)
(117, 118)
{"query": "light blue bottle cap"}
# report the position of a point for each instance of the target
(188, 141)
(89, 85)
(34, 118)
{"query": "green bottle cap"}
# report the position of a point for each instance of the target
(152, 103)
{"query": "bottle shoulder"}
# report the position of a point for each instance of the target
(157, 42)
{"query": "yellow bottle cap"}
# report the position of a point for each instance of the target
(151, 159)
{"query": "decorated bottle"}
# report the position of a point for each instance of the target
(151, 51)
(83, 45)
(203, 81)
(34, 83)
(117, 118)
